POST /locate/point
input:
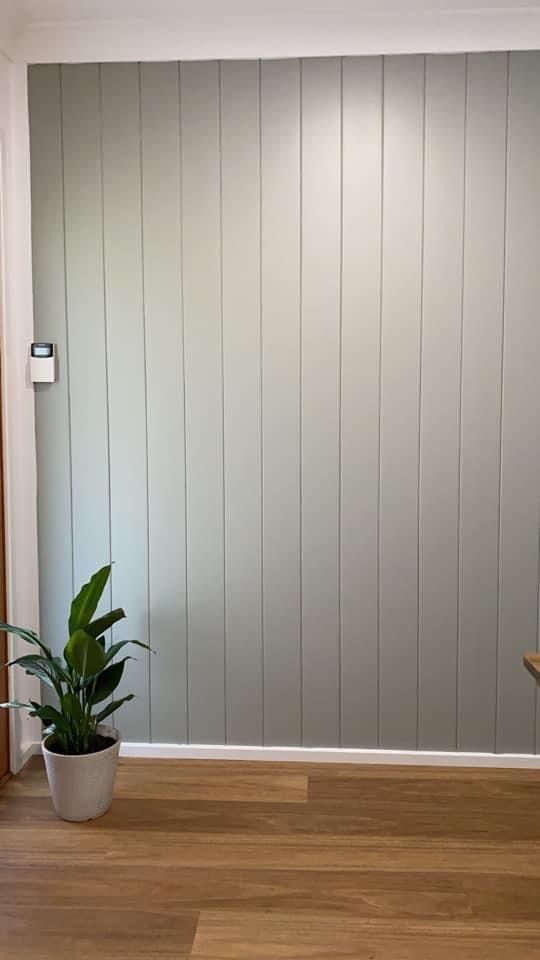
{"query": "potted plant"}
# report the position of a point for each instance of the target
(80, 751)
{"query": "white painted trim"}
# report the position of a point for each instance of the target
(175, 751)
(18, 403)
(27, 750)
(289, 30)
(413, 758)
(10, 23)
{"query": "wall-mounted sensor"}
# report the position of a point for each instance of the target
(42, 363)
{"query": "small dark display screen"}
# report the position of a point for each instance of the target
(42, 350)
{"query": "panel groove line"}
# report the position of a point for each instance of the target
(420, 410)
(481, 391)
(162, 271)
(340, 407)
(440, 400)
(280, 405)
(222, 345)
(183, 374)
(400, 383)
(108, 593)
(460, 410)
(261, 399)
(68, 352)
(501, 407)
(81, 110)
(145, 378)
(127, 400)
(379, 434)
(240, 168)
(360, 383)
(201, 225)
(300, 404)
(520, 453)
(321, 169)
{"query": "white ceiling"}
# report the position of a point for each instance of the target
(58, 10)
(79, 30)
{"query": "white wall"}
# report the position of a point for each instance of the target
(8, 29)
(18, 399)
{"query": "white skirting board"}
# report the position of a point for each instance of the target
(27, 749)
(328, 755)
(435, 758)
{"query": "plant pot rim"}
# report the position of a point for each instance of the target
(104, 729)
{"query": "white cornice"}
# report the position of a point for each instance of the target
(342, 30)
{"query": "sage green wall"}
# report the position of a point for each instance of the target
(297, 314)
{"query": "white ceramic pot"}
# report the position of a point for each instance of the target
(82, 786)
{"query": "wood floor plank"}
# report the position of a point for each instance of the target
(115, 931)
(367, 823)
(180, 891)
(288, 861)
(350, 787)
(263, 936)
(192, 781)
(188, 780)
(47, 841)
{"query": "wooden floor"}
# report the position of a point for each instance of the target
(219, 861)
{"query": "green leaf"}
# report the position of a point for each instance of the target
(62, 673)
(40, 667)
(102, 624)
(101, 641)
(71, 707)
(116, 647)
(111, 707)
(84, 654)
(14, 705)
(48, 715)
(54, 667)
(85, 603)
(27, 635)
(107, 681)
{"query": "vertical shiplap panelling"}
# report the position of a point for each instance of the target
(207, 252)
(201, 205)
(485, 162)
(280, 257)
(127, 374)
(321, 275)
(240, 178)
(361, 315)
(160, 137)
(520, 468)
(440, 400)
(400, 393)
(86, 319)
(52, 401)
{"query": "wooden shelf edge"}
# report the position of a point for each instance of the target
(532, 663)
